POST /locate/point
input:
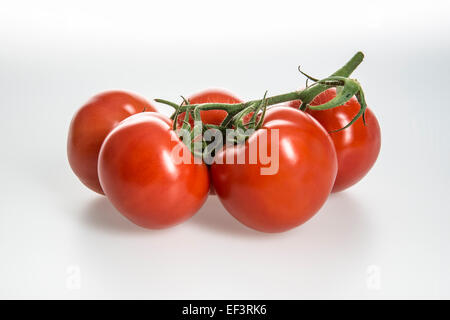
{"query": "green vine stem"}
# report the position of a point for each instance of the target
(345, 71)
(350, 88)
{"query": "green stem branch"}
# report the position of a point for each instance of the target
(345, 71)
(306, 95)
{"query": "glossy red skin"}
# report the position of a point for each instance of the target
(357, 147)
(210, 96)
(139, 176)
(91, 124)
(279, 202)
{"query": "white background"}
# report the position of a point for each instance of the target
(387, 237)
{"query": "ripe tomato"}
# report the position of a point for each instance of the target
(210, 96)
(307, 168)
(141, 177)
(357, 147)
(91, 124)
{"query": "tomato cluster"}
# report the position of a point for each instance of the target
(120, 146)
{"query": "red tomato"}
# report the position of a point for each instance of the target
(210, 96)
(141, 177)
(307, 168)
(357, 147)
(91, 124)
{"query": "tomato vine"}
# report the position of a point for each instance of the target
(347, 88)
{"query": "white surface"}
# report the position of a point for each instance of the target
(392, 227)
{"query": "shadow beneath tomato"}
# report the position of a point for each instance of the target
(343, 226)
(213, 216)
(100, 214)
(341, 221)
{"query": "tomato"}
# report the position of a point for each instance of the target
(357, 146)
(91, 124)
(307, 169)
(209, 96)
(141, 177)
